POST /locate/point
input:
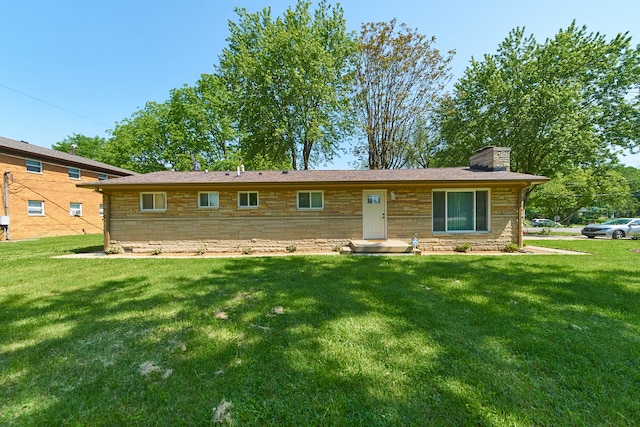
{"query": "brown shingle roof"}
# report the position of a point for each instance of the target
(35, 152)
(432, 175)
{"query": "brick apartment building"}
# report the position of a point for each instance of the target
(39, 197)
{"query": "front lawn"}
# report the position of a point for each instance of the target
(320, 340)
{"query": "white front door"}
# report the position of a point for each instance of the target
(374, 214)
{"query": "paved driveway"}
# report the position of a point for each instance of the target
(533, 233)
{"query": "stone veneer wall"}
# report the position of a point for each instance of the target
(410, 215)
(277, 224)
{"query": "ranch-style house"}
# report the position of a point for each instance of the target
(239, 211)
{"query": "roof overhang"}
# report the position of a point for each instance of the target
(16, 149)
(106, 187)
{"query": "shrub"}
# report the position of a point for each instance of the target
(338, 247)
(112, 250)
(291, 248)
(201, 250)
(156, 251)
(248, 250)
(511, 248)
(465, 247)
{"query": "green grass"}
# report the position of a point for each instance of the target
(326, 340)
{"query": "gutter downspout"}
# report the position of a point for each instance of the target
(6, 201)
(106, 200)
(521, 214)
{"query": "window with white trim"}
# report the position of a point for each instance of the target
(153, 202)
(208, 200)
(102, 176)
(35, 207)
(101, 209)
(310, 200)
(34, 166)
(247, 199)
(460, 211)
(74, 173)
(75, 209)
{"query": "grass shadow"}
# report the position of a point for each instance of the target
(326, 340)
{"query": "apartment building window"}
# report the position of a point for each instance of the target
(75, 209)
(34, 166)
(74, 173)
(35, 208)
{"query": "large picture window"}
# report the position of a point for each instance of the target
(153, 202)
(461, 211)
(310, 200)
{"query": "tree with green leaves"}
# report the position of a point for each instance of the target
(141, 142)
(632, 178)
(399, 75)
(191, 130)
(85, 146)
(563, 196)
(423, 145)
(289, 78)
(569, 102)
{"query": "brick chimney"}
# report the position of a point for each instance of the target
(491, 159)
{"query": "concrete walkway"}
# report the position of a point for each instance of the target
(527, 250)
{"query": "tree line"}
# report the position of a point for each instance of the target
(294, 91)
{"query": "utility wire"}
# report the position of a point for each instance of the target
(53, 105)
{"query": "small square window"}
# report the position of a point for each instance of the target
(34, 166)
(35, 208)
(208, 200)
(153, 201)
(373, 199)
(75, 209)
(74, 173)
(102, 176)
(310, 200)
(248, 199)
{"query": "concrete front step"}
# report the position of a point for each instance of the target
(380, 247)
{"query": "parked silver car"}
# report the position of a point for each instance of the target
(614, 228)
(543, 222)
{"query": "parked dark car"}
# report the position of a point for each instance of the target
(614, 228)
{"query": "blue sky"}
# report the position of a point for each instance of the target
(72, 66)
